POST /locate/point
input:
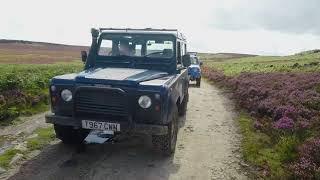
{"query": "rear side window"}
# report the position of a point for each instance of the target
(105, 48)
(164, 48)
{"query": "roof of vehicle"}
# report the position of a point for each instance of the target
(174, 32)
(193, 53)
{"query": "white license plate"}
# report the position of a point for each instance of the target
(87, 124)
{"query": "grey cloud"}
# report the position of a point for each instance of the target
(289, 16)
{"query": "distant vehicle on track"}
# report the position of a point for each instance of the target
(134, 81)
(193, 53)
(194, 70)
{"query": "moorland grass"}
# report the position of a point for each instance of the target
(294, 63)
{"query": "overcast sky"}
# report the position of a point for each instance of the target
(270, 27)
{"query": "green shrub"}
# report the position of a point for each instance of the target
(24, 88)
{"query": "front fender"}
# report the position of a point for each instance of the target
(175, 93)
(172, 103)
(173, 98)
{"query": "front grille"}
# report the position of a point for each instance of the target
(100, 102)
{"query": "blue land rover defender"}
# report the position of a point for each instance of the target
(194, 70)
(134, 81)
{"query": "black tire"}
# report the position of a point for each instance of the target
(184, 105)
(198, 82)
(166, 144)
(68, 135)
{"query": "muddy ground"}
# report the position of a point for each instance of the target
(207, 148)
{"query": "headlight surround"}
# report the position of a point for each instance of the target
(66, 95)
(145, 101)
(53, 88)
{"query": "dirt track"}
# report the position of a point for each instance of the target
(207, 148)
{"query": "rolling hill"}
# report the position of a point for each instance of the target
(29, 52)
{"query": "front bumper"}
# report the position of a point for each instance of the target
(193, 77)
(125, 126)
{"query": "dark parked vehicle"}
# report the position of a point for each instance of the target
(194, 70)
(134, 81)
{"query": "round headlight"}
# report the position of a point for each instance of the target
(66, 95)
(144, 102)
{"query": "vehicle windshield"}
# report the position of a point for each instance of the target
(194, 60)
(156, 46)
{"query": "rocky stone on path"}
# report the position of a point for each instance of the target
(2, 170)
(15, 159)
(243, 164)
(21, 146)
(32, 136)
(33, 154)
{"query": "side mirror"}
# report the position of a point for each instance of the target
(201, 63)
(186, 60)
(84, 56)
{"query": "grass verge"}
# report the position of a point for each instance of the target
(7, 156)
(260, 150)
(43, 138)
(41, 107)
